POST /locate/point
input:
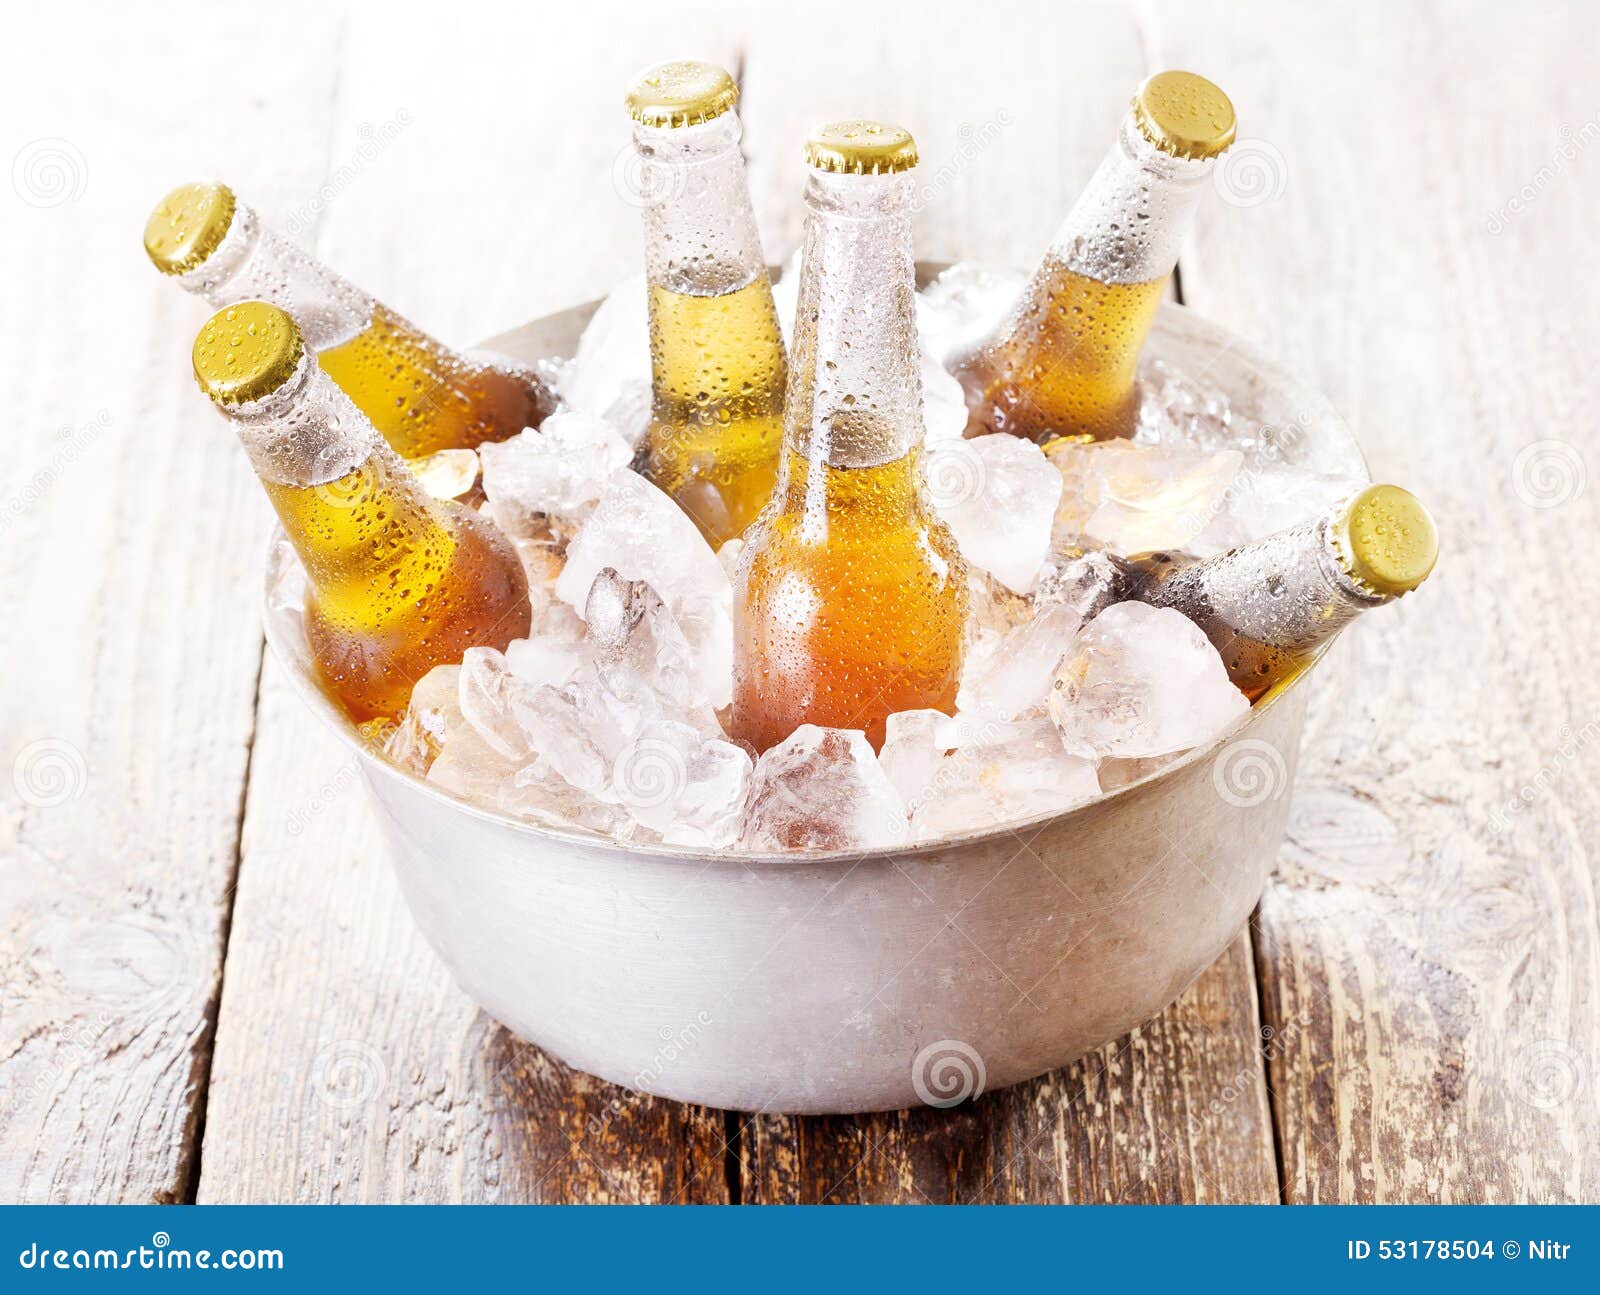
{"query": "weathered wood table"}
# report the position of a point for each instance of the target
(209, 986)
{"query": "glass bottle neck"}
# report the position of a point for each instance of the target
(700, 235)
(307, 433)
(1129, 224)
(255, 262)
(1288, 590)
(855, 385)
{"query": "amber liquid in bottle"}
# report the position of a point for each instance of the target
(852, 604)
(399, 582)
(424, 397)
(717, 416)
(1067, 362)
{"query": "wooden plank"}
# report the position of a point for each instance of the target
(1011, 114)
(1410, 234)
(348, 1067)
(130, 642)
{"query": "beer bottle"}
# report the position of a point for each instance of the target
(716, 351)
(399, 581)
(421, 395)
(1064, 361)
(1267, 605)
(850, 597)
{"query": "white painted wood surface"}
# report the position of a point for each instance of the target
(1427, 963)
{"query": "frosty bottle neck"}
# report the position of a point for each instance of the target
(855, 389)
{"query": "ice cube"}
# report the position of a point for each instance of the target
(432, 714)
(944, 404)
(1003, 773)
(642, 653)
(613, 351)
(1016, 677)
(998, 495)
(643, 535)
(1087, 583)
(1175, 409)
(629, 413)
(1132, 498)
(687, 787)
(823, 789)
(491, 700)
(1142, 681)
(965, 304)
(538, 793)
(913, 750)
(559, 469)
(555, 651)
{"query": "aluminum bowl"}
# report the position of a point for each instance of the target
(857, 982)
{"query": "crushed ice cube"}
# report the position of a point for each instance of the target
(643, 653)
(823, 789)
(965, 304)
(1142, 681)
(913, 749)
(629, 413)
(643, 535)
(944, 404)
(686, 786)
(998, 495)
(559, 469)
(1133, 498)
(613, 351)
(1085, 582)
(1002, 773)
(1175, 409)
(1016, 677)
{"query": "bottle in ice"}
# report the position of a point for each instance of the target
(399, 582)
(850, 596)
(1064, 361)
(1268, 605)
(716, 352)
(422, 396)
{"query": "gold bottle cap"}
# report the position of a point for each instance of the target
(861, 148)
(1184, 115)
(1387, 542)
(187, 226)
(684, 93)
(245, 352)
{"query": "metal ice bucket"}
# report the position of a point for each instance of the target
(858, 982)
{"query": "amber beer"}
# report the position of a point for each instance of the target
(1268, 605)
(716, 352)
(850, 598)
(1064, 362)
(399, 581)
(422, 396)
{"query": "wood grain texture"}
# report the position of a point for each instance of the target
(1009, 131)
(1413, 246)
(129, 640)
(348, 1067)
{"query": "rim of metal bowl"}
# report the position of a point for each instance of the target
(318, 700)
